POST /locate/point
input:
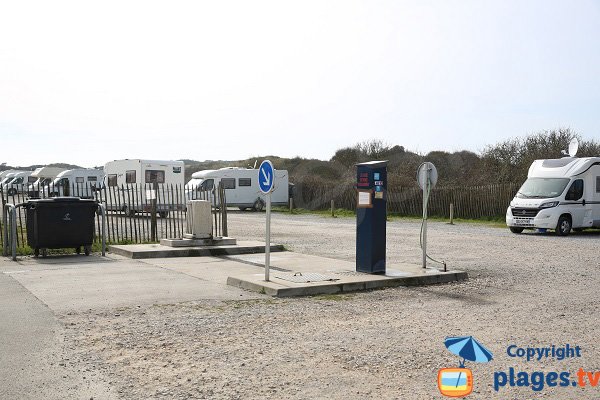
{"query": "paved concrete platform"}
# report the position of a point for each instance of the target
(144, 251)
(192, 242)
(341, 274)
(77, 283)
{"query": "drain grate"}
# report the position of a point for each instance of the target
(306, 277)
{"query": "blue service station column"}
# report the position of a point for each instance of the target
(371, 214)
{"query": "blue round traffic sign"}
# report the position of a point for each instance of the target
(266, 177)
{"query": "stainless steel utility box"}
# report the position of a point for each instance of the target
(198, 220)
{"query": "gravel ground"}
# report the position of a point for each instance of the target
(530, 290)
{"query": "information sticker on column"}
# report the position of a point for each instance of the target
(364, 199)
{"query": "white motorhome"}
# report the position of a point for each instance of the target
(133, 181)
(241, 187)
(560, 194)
(80, 182)
(16, 182)
(6, 172)
(43, 177)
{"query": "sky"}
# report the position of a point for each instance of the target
(86, 82)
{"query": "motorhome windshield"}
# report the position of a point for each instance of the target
(542, 188)
(6, 180)
(60, 182)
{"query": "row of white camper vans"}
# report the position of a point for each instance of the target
(240, 184)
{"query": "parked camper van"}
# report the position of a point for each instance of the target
(17, 182)
(241, 187)
(76, 183)
(139, 177)
(560, 194)
(6, 172)
(43, 177)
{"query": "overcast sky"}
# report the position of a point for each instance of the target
(87, 82)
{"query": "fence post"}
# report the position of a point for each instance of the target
(153, 211)
(291, 204)
(332, 208)
(451, 214)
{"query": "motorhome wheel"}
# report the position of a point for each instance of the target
(258, 205)
(563, 228)
(515, 229)
(12, 191)
(163, 214)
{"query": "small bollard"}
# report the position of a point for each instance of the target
(332, 208)
(451, 214)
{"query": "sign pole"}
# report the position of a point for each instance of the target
(266, 178)
(268, 242)
(425, 193)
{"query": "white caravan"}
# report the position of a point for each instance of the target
(16, 182)
(130, 185)
(560, 194)
(43, 177)
(241, 185)
(75, 182)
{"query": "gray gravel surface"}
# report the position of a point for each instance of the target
(530, 290)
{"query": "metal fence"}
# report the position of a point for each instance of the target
(136, 213)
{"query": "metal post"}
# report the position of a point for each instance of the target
(13, 241)
(291, 204)
(5, 231)
(103, 214)
(451, 214)
(425, 194)
(332, 208)
(268, 240)
(153, 208)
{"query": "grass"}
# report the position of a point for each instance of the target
(343, 213)
(25, 250)
(335, 297)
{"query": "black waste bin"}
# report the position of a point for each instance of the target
(60, 222)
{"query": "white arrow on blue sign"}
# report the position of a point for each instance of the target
(266, 177)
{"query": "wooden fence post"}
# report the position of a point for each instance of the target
(451, 214)
(332, 208)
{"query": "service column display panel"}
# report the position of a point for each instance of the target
(371, 214)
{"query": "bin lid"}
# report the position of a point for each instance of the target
(55, 200)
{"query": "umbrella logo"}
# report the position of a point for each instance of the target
(458, 382)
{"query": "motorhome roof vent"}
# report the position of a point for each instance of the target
(557, 163)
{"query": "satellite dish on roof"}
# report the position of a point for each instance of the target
(573, 147)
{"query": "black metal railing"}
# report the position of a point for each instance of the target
(136, 213)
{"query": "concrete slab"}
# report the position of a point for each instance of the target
(144, 251)
(192, 242)
(345, 278)
(79, 283)
(108, 284)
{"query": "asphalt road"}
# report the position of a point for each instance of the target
(33, 360)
